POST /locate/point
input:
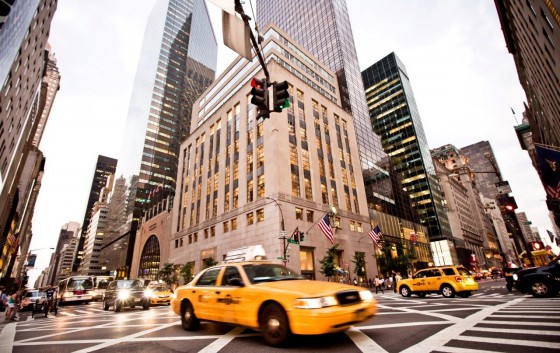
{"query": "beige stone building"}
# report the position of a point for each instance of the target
(244, 181)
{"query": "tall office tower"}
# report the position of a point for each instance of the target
(177, 63)
(24, 31)
(396, 120)
(104, 168)
(481, 159)
(323, 28)
(92, 263)
(68, 232)
(531, 33)
(246, 181)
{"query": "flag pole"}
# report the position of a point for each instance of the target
(332, 212)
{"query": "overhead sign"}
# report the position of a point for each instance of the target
(31, 258)
(236, 35)
(503, 187)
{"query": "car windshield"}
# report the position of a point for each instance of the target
(129, 284)
(269, 272)
(159, 289)
(103, 283)
(33, 293)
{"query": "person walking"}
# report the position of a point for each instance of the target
(17, 298)
(378, 285)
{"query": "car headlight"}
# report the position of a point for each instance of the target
(148, 293)
(124, 294)
(314, 303)
(515, 277)
(366, 295)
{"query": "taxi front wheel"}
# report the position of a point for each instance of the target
(274, 325)
(189, 321)
(405, 291)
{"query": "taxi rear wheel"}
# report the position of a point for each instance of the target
(405, 291)
(447, 291)
(118, 306)
(105, 305)
(274, 325)
(189, 321)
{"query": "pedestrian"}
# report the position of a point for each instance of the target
(3, 298)
(389, 282)
(370, 283)
(355, 281)
(9, 305)
(17, 298)
(394, 276)
(378, 285)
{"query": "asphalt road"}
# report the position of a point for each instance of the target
(491, 320)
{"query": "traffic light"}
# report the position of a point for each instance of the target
(301, 236)
(280, 96)
(510, 205)
(260, 97)
(537, 245)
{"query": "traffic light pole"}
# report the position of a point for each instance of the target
(246, 19)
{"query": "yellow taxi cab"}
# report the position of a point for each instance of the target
(269, 297)
(445, 280)
(160, 295)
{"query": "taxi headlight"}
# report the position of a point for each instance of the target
(148, 293)
(366, 295)
(314, 303)
(124, 294)
(515, 277)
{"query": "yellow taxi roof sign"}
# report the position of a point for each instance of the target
(246, 253)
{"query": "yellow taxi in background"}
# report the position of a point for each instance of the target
(269, 297)
(445, 280)
(160, 295)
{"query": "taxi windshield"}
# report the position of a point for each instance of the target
(258, 273)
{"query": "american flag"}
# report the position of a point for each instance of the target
(325, 226)
(375, 235)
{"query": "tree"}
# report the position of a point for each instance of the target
(167, 274)
(328, 267)
(209, 262)
(359, 264)
(186, 272)
(387, 263)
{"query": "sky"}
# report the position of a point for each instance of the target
(464, 82)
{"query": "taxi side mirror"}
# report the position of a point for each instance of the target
(236, 282)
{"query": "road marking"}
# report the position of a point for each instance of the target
(403, 324)
(7, 338)
(517, 323)
(512, 330)
(363, 341)
(221, 342)
(438, 340)
(509, 341)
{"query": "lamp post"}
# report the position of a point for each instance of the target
(24, 264)
(282, 230)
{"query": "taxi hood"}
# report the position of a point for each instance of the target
(308, 287)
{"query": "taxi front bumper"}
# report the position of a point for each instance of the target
(330, 319)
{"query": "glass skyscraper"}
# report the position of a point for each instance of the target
(177, 63)
(323, 28)
(395, 118)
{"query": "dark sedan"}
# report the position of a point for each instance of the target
(126, 293)
(543, 281)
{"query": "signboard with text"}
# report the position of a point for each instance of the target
(503, 187)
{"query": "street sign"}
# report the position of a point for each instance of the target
(528, 223)
(503, 187)
(280, 258)
(291, 241)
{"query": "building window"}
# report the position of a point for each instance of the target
(359, 227)
(250, 191)
(299, 214)
(250, 218)
(190, 238)
(309, 216)
(206, 234)
(212, 231)
(260, 186)
(226, 227)
(336, 222)
(234, 224)
(352, 226)
(260, 215)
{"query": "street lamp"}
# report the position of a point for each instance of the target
(24, 264)
(283, 230)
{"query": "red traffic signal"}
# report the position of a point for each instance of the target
(508, 204)
(260, 97)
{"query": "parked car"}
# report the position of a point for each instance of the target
(543, 281)
(31, 297)
(445, 280)
(485, 273)
(270, 297)
(126, 293)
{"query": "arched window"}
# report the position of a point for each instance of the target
(149, 261)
